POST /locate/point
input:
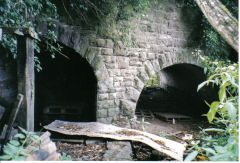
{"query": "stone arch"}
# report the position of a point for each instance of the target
(185, 87)
(151, 67)
(88, 46)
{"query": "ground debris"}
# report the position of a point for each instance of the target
(82, 152)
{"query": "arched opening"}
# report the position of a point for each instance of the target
(66, 89)
(177, 92)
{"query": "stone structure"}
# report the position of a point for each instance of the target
(162, 38)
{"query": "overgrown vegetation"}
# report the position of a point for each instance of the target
(215, 47)
(153, 81)
(17, 149)
(220, 141)
(101, 14)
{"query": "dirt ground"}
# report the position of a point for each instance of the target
(168, 129)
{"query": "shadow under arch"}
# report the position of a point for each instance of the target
(177, 92)
(66, 89)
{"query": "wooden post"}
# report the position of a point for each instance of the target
(25, 74)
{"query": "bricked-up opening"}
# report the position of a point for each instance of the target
(177, 92)
(66, 89)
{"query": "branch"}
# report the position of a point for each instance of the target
(221, 20)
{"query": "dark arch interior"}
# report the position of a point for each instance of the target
(66, 89)
(178, 92)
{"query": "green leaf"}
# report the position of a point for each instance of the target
(210, 150)
(5, 157)
(23, 130)
(14, 142)
(20, 135)
(213, 109)
(20, 158)
(7, 150)
(222, 94)
(232, 111)
(220, 149)
(201, 85)
(33, 148)
(191, 156)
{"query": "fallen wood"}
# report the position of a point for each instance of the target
(96, 129)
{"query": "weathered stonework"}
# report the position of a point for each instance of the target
(162, 40)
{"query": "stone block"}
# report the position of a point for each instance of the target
(112, 96)
(107, 51)
(142, 75)
(117, 102)
(125, 72)
(120, 89)
(128, 83)
(112, 112)
(100, 42)
(151, 56)
(102, 113)
(103, 96)
(142, 56)
(138, 84)
(114, 72)
(111, 65)
(128, 108)
(118, 79)
(116, 84)
(118, 151)
(149, 68)
(105, 104)
(132, 94)
(134, 58)
(133, 54)
(119, 52)
(107, 120)
(135, 63)
(109, 43)
(110, 59)
(101, 72)
(91, 53)
(156, 66)
(123, 62)
(120, 95)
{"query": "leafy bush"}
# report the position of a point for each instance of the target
(220, 142)
(16, 149)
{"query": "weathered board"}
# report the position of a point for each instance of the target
(96, 129)
(170, 116)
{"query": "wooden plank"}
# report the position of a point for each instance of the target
(70, 140)
(13, 116)
(25, 74)
(20, 31)
(96, 129)
(171, 116)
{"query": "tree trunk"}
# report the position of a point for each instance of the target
(221, 20)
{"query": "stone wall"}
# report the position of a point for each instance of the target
(162, 38)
